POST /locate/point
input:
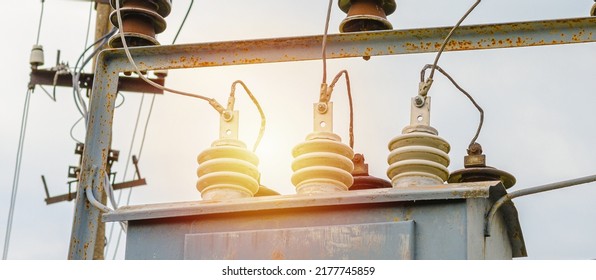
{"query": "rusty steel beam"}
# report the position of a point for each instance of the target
(128, 84)
(393, 42)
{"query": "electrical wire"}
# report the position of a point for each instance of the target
(480, 110)
(183, 21)
(72, 130)
(89, 192)
(324, 44)
(146, 127)
(335, 80)
(17, 172)
(256, 102)
(79, 101)
(432, 72)
(40, 20)
(121, 102)
(89, 22)
(211, 101)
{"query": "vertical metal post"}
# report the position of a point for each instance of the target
(97, 144)
(102, 26)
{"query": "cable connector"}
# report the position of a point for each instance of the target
(325, 93)
(220, 109)
(424, 87)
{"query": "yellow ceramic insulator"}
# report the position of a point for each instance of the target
(418, 158)
(322, 164)
(227, 170)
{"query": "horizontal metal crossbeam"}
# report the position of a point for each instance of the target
(393, 42)
(128, 84)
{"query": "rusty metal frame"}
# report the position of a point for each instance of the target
(394, 42)
(129, 84)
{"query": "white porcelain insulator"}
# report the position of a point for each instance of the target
(322, 164)
(36, 58)
(418, 158)
(227, 170)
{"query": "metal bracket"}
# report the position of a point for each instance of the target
(228, 128)
(420, 111)
(323, 117)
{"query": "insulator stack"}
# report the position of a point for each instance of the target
(418, 156)
(366, 15)
(228, 170)
(593, 11)
(141, 21)
(322, 163)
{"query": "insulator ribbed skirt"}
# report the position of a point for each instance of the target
(322, 164)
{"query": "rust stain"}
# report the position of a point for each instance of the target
(408, 214)
(473, 193)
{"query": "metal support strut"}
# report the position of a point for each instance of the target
(544, 188)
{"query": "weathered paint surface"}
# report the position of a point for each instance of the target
(360, 44)
(391, 241)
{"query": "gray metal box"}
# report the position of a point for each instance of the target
(437, 222)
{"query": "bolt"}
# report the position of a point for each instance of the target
(227, 115)
(474, 149)
(419, 101)
(358, 158)
(322, 108)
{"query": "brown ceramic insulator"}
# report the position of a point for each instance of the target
(265, 191)
(365, 15)
(141, 21)
(362, 180)
(162, 7)
(476, 170)
(369, 182)
(482, 174)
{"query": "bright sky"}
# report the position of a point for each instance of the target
(538, 103)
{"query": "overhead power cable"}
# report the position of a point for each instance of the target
(432, 71)
(469, 96)
(40, 20)
(17, 173)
